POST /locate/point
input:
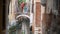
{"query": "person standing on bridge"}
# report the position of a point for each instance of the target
(22, 5)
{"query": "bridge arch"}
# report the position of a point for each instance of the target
(24, 20)
(23, 16)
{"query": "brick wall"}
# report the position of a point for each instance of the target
(38, 13)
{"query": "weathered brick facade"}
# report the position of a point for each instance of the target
(38, 13)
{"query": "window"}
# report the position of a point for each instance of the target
(55, 4)
(43, 2)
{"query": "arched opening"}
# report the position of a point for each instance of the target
(24, 23)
